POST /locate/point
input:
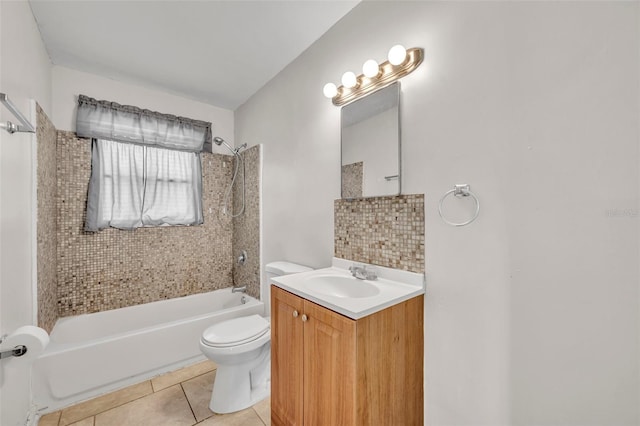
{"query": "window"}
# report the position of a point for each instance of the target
(135, 186)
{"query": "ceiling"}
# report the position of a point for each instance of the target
(217, 52)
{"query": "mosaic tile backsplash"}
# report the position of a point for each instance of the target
(352, 180)
(115, 268)
(46, 136)
(385, 231)
(246, 227)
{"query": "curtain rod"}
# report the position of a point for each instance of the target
(24, 126)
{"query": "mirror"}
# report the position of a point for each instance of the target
(371, 145)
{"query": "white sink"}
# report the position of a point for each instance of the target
(336, 289)
(340, 286)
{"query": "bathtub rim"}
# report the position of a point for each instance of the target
(56, 344)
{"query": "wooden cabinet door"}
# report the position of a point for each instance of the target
(329, 367)
(286, 358)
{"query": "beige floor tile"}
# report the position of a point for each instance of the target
(50, 419)
(246, 417)
(263, 408)
(198, 391)
(169, 407)
(85, 422)
(104, 403)
(178, 376)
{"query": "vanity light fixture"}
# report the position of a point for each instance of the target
(400, 62)
(349, 80)
(371, 68)
(397, 54)
(330, 90)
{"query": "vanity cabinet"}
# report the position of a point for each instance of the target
(328, 369)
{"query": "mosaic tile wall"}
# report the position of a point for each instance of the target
(352, 180)
(46, 221)
(385, 231)
(246, 228)
(115, 268)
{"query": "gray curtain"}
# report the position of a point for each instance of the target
(124, 123)
(145, 166)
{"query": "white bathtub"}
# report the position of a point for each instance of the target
(92, 354)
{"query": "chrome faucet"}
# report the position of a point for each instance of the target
(362, 273)
(242, 289)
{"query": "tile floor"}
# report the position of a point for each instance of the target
(179, 398)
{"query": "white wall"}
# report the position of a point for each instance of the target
(68, 84)
(24, 74)
(27, 73)
(531, 314)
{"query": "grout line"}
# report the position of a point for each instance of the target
(195, 419)
(108, 409)
(257, 414)
(181, 382)
(153, 391)
(125, 403)
(135, 399)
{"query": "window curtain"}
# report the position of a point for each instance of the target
(173, 190)
(133, 186)
(116, 186)
(124, 123)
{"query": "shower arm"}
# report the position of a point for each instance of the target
(24, 126)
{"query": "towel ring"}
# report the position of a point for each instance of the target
(460, 190)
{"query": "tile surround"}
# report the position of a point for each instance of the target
(246, 228)
(114, 268)
(385, 231)
(46, 188)
(352, 180)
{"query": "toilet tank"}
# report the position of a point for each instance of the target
(278, 269)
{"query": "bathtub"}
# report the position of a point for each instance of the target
(93, 354)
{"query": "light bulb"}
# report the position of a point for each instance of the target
(370, 68)
(397, 54)
(349, 80)
(330, 90)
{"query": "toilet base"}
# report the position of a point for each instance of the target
(238, 387)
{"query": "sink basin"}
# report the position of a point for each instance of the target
(341, 286)
(335, 288)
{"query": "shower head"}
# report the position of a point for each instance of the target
(219, 141)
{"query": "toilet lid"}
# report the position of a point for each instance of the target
(235, 331)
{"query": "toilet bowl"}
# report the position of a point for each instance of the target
(241, 348)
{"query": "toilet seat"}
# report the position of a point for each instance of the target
(236, 331)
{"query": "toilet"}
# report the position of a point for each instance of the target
(241, 348)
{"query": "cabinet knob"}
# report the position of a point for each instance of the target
(304, 317)
(295, 313)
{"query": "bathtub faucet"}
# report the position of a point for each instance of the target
(242, 289)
